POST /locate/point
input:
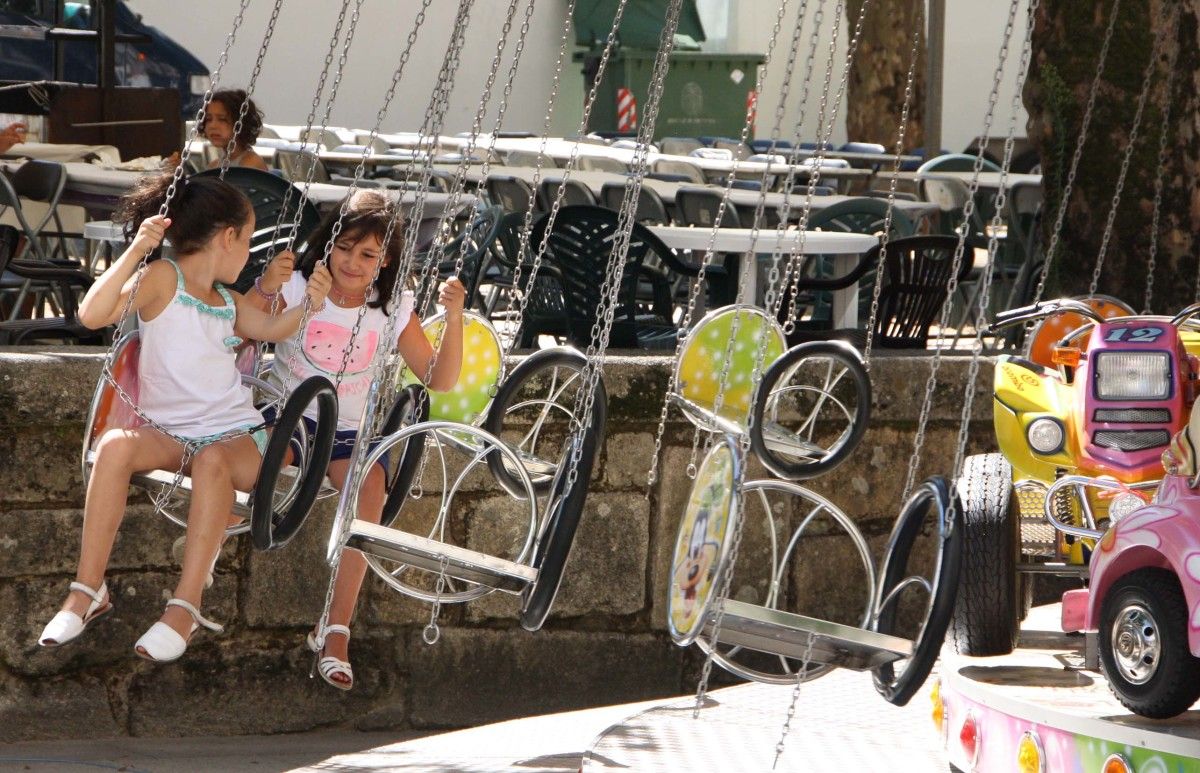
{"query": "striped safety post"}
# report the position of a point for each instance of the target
(626, 111)
(752, 109)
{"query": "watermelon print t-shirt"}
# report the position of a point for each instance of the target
(324, 346)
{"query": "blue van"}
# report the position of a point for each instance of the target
(152, 59)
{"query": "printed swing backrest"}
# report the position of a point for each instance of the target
(703, 359)
(481, 374)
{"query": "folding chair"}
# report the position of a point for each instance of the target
(576, 193)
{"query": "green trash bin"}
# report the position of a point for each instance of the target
(705, 94)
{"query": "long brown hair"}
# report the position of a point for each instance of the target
(252, 123)
(199, 209)
(368, 214)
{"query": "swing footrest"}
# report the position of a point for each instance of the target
(783, 633)
(780, 440)
(427, 554)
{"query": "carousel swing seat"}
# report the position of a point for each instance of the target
(499, 421)
(284, 493)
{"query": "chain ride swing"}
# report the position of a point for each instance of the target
(267, 507)
(828, 403)
(462, 430)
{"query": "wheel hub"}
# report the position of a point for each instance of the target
(1135, 643)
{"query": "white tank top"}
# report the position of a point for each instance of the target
(188, 379)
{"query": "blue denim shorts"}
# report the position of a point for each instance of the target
(343, 440)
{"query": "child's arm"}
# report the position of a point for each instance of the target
(261, 326)
(106, 298)
(278, 272)
(414, 347)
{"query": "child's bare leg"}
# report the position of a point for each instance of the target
(216, 471)
(119, 454)
(352, 566)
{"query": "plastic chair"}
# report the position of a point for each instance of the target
(861, 147)
(955, 162)
(267, 193)
(699, 206)
(325, 139)
(679, 146)
(511, 193)
(602, 164)
(295, 165)
(650, 207)
(713, 154)
(474, 243)
(766, 146)
(576, 193)
(65, 280)
(737, 148)
(580, 247)
(528, 158)
(685, 169)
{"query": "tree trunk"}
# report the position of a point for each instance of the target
(1067, 40)
(879, 73)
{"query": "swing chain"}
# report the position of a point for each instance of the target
(431, 633)
(791, 712)
(1147, 78)
(959, 251)
(1065, 198)
(886, 237)
(244, 108)
(1152, 262)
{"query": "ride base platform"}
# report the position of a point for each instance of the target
(1040, 699)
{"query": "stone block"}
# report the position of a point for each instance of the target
(255, 683)
(48, 387)
(898, 388)
(286, 587)
(626, 459)
(36, 542)
(138, 600)
(75, 707)
(42, 466)
(606, 573)
(474, 676)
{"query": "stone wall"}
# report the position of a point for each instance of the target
(605, 642)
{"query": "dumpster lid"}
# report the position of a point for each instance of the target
(641, 24)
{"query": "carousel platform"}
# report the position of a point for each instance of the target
(998, 713)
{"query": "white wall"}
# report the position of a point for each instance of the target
(285, 89)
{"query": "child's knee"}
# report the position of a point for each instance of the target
(115, 449)
(212, 462)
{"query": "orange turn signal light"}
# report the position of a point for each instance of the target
(1066, 355)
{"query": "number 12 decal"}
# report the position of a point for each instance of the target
(1138, 335)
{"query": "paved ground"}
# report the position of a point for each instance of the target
(841, 724)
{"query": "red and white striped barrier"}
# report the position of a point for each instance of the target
(626, 111)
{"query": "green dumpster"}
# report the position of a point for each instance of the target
(705, 94)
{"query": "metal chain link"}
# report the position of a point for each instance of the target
(431, 633)
(244, 108)
(959, 250)
(886, 238)
(791, 712)
(1060, 214)
(1147, 79)
(1152, 262)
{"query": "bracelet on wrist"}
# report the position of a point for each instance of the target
(259, 289)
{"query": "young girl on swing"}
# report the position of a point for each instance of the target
(188, 383)
(358, 253)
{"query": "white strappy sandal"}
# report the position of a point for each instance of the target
(66, 625)
(327, 666)
(162, 644)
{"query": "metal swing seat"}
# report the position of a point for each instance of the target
(823, 390)
(490, 419)
(283, 495)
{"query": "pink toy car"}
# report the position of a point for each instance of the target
(1143, 600)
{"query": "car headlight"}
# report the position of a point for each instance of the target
(1045, 435)
(1133, 375)
(199, 84)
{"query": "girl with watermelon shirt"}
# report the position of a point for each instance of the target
(358, 252)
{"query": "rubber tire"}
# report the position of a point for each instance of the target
(412, 397)
(1175, 686)
(990, 605)
(271, 530)
(563, 513)
(494, 420)
(793, 470)
(894, 569)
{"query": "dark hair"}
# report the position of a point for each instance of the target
(232, 100)
(368, 214)
(200, 208)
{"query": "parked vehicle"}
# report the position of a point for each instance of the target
(1079, 444)
(146, 58)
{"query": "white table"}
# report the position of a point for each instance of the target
(54, 151)
(847, 247)
(987, 180)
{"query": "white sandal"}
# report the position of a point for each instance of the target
(328, 665)
(177, 549)
(66, 625)
(162, 644)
